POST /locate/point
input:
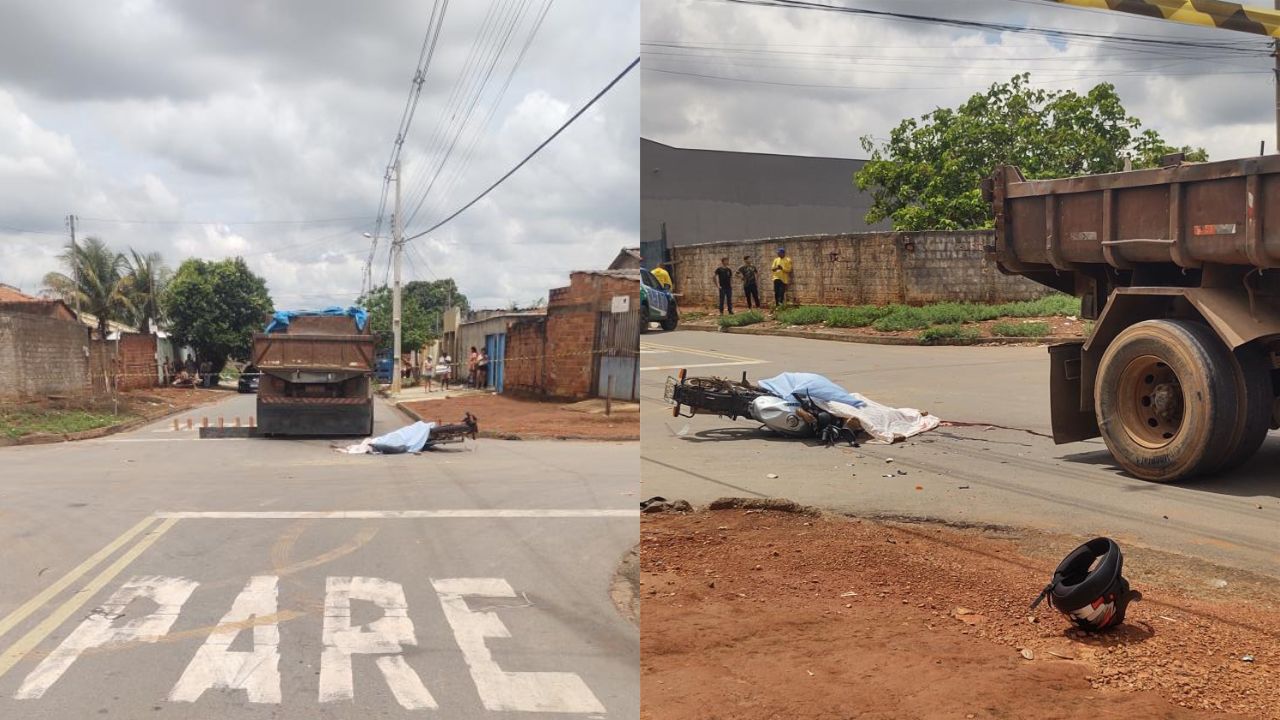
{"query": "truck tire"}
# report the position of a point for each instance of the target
(1253, 416)
(644, 317)
(1166, 408)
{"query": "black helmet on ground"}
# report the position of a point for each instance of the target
(1088, 586)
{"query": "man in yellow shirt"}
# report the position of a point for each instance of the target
(662, 276)
(781, 277)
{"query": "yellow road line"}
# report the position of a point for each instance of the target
(15, 652)
(704, 353)
(12, 619)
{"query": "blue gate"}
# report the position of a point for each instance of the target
(496, 346)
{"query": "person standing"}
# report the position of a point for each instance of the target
(482, 369)
(662, 276)
(724, 281)
(472, 359)
(443, 367)
(781, 269)
(750, 290)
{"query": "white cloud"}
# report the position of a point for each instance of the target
(181, 112)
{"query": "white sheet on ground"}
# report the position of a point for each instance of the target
(883, 423)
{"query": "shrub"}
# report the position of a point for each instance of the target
(1021, 329)
(940, 334)
(750, 317)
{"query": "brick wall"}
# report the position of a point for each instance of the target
(525, 361)
(573, 314)
(860, 269)
(127, 364)
(42, 356)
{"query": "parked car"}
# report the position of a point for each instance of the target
(657, 304)
(249, 378)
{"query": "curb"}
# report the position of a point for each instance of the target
(881, 339)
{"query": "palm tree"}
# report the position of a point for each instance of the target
(145, 277)
(94, 283)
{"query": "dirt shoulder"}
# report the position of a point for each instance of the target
(507, 418)
(49, 421)
(751, 614)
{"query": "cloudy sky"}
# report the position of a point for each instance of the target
(721, 75)
(263, 129)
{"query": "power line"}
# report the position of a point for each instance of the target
(430, 40)
(1135, 40)
(535, 151)
(459, 171)
(462, 127)
(27, 231)
(321, 221)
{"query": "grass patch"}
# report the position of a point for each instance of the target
(857, 316)
(750, 317)
(693, 315)
(946, 333)
(1021, 329)
(802, 315)
(15, 423)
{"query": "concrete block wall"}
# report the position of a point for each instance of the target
(42, 356)
(859, 269)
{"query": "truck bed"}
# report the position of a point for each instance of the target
(1184, 215)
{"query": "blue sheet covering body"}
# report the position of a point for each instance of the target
(410, 438)
(280, 319)
(790, 386)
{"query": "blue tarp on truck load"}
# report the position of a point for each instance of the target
(280, 319)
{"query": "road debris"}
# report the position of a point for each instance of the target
(414, 438)
(1088, 586)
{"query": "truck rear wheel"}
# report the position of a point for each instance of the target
(1253, 416)
(1166, 409)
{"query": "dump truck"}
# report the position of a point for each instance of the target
(1179, 268)
(317, 376)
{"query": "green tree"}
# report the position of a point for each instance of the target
(215, 307)
(417, 326)
(93, 282)
(929, 174)
(145, 277)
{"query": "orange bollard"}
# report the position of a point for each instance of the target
(219, 422)
(188, 423)
(237, 421)
(251, 421)
(204, 421)
(175, 424)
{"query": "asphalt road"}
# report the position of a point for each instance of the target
(155, 574)
(1002, 469)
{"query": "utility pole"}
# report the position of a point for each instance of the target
(71, 223)
(397, 247)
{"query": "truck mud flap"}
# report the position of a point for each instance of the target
(1070, 423)
(315, 419)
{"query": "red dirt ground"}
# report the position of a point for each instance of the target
(510, 419)
(762, 615)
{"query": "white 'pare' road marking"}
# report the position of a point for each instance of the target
(257, 671)
(385, 637)
(562, 692)
(169, 594)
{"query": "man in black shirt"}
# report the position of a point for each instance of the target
(724, 281)
(749, 287)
